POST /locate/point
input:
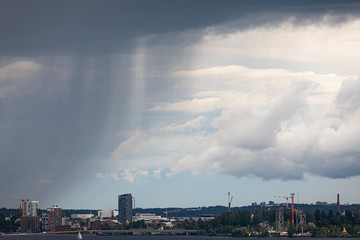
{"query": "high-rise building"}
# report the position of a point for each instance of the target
(31, 208)
(125, 208)
(55, 217)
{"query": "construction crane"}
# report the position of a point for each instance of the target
(23, 203)
(268, 206)
(229, 201)
(286, 197)
(170, 211)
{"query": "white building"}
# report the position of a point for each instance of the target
(31, 208)
(82, 216)
(145, 217)
(107, 213)
(65, 221)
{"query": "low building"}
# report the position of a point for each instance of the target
(95, 225)
(145, 217)
(108, 213)
(81, 216)
(65, 221)
(63, 228)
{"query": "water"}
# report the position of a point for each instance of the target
(131, 237)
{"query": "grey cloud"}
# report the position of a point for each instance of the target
(348, 98)
(34, 28)
(54, 132)
(344, 165)
(52, 135)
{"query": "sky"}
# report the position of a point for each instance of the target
(179, 102)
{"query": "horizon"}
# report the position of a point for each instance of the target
(200, 207)
(258, 204)
(179, 102)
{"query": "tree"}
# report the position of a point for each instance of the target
(311, 227)
(2, 222)
(330, 215)
(245, 218)
(323, 232)
(349, 216)
(334, 231)
(258, 218)
(292, 229)
(240, 231)
(317, 215)
(357, 229)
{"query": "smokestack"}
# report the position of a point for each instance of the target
(338, 203)
(229, 202)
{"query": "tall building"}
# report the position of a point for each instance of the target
(55, 217)
(31, 208)
(125, 208)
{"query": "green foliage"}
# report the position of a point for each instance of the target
(137, 224)
(2, 221)
(311, 227)
(292, 229)
(240, 231)
(240, 223)
(322, 232)
(9, 225)
(258, 218)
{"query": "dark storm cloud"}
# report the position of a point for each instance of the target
(52, 121)
(41, 27)
(54, 116)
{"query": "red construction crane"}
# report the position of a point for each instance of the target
(23, 203)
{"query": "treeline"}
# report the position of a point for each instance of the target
(242, 223)
(218, 210)
(9, 224)
(329, 224)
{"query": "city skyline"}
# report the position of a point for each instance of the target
(32, 206)
(127, 201)
(179, 102)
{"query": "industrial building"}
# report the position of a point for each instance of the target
(125, 208)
